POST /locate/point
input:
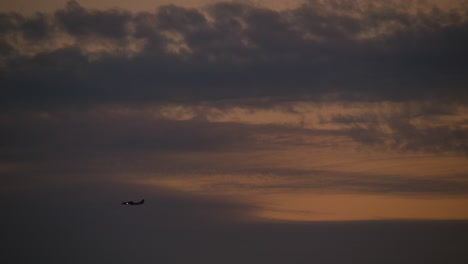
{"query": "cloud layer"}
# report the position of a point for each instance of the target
(362, 50)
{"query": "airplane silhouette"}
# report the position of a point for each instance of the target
(133, 203)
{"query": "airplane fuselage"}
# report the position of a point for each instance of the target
(133, 203)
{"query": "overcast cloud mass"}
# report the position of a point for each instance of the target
(365, 50)
(316, 132)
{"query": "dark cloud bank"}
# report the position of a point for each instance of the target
(372, 50)
(226, 53)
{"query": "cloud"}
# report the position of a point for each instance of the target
(334, 182)
(113, 131)
(404, 135)
(433, 126)
(78, 21)
(234, 51)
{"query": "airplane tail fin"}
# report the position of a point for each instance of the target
(142, 201)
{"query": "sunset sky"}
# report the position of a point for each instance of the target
(340, 126)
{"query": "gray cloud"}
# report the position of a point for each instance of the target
(340, 182)
(401, 134)
(235, 51)
(418, 126)
(78, 21)
(87, 133)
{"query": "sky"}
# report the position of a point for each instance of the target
(256, 131)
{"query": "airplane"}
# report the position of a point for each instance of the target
(133, 203)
